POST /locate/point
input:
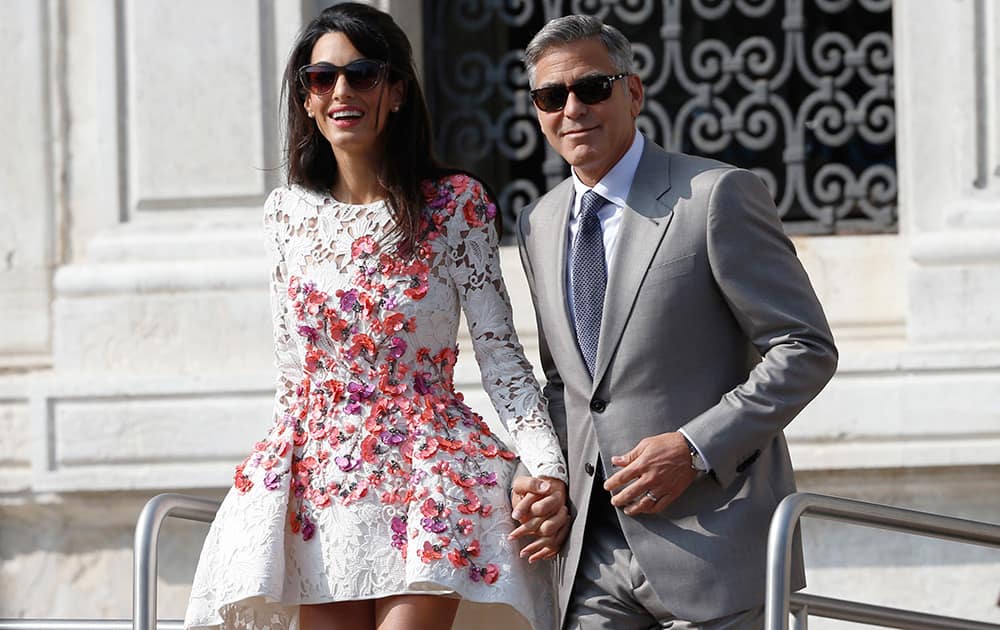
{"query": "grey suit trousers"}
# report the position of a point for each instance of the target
(611, 591)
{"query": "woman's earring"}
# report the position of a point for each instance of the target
(309, 113)
(395, 108)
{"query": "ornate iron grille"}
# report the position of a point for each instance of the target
(799, 91)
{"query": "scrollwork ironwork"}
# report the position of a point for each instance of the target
(799, 91)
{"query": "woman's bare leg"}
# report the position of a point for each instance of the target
(359, 615)
(415, 612)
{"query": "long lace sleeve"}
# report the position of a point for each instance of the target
(507, 377)
(286, 357)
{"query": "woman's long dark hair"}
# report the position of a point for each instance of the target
(409, 156)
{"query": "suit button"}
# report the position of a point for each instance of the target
(598, 405)
(589, 468)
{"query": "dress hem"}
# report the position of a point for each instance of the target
(269, 600)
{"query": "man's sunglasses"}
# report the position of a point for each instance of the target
(361, 74)
(590, 91)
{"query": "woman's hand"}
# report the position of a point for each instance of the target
(539, 505)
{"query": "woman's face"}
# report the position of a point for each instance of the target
(350, 119)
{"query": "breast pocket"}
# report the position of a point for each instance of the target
(673, 268)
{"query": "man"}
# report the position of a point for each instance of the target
(679, 334)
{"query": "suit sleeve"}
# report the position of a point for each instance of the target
(766, 288)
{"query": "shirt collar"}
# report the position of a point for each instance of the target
(614, 186)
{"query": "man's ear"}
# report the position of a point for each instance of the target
(635, 91)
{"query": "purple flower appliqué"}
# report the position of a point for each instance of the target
(434, 525)
(420, 383)
(398, 532)
(488, 479)
(393, 437)
(348, 299)
(440, 201)
(358, 392)
(272, 480)
(309, 333)
(353, 408)
(308, 530)
(397, 347)
(346, 463)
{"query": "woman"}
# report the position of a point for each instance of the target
(377, 499)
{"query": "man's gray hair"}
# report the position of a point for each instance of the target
(572, 28)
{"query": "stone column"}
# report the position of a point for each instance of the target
(161, 331)
(30, 236)
(949, 162)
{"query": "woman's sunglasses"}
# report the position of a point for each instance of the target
(590, 91)
(361, 74)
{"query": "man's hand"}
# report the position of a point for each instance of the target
(652, 475)
(539, 505)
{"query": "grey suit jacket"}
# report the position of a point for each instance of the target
(710, 324)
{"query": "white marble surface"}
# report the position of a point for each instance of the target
(195, 111)
(27, 234)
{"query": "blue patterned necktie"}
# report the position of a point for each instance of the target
(589, 277)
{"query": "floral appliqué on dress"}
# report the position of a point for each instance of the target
(376, 478)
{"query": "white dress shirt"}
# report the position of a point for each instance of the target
(614, 187)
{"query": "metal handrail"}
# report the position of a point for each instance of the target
(778, 595)
(878, 615)
(144, 563)
(147, 533)
(82, 624)
(779, 601)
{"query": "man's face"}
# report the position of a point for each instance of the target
(592, 138)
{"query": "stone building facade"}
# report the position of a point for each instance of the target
(141, 139)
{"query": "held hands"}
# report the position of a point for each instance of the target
(539, 505)
(659, 469)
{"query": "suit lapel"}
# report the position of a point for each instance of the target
(644, 222)
(550, 218)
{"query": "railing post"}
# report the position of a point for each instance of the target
(779, 567)
(778, 595)
(147, 534)
(800, 619)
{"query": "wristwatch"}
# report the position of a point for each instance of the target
(697, 462)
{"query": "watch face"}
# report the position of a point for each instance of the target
(696, 461)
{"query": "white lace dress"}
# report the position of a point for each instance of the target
(375, 478)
